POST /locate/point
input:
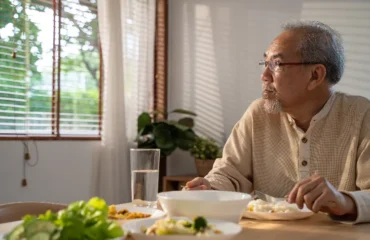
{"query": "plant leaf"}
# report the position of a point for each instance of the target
(186, 139)
(148, 138)
(167, 152)
(177, 125)
(205, 148)
(147, 144)
(183, 111)
(181, 127)
(163, 136)
(189, 122)
(147, 129)
(143, 120)
(171, 122)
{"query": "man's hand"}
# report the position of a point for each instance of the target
(319, 195)
(198, 184)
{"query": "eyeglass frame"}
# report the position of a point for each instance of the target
(267, 64)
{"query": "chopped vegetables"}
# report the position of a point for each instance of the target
(199, 226)
(125, 214)
(200, 223)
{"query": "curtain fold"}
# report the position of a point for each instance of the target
(127, 39)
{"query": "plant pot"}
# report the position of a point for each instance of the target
(203, 166)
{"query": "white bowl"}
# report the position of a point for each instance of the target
(229, 230)
(222, 205)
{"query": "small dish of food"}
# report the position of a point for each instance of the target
(280, 210)
(181, 228)
(129, 212)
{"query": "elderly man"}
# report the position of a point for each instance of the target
(301, 139)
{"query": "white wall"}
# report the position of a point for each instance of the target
(63, 174)
(214, 49)
(215, 46)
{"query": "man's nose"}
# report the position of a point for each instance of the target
(266, 75)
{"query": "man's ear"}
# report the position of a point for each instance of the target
(318, 75)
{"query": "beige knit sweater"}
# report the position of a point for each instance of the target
(268, 152)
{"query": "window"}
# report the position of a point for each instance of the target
(50, 69)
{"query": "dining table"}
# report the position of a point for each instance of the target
(318, 226)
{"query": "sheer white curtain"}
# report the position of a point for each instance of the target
(127, 37)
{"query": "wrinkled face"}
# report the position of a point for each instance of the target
(286, 86)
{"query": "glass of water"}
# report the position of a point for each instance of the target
(144, 176)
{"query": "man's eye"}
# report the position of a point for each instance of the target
(277, 63)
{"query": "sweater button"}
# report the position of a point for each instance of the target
(304, 163)
(304, 140)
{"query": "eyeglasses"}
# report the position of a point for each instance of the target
(275, 65)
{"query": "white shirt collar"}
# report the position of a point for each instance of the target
(323, 112)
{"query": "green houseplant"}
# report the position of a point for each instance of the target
(205, 151)
(167, 135)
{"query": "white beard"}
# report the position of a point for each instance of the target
(272, 106)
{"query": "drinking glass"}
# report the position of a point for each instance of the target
(144, 176)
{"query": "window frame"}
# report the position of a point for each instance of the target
(55, 110)
(159, 86)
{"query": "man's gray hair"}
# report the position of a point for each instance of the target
(320, 43)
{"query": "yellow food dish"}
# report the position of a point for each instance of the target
(125, 214)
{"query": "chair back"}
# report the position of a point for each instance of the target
(10, 212)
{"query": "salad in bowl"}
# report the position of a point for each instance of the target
(181, 228)
(198, 227)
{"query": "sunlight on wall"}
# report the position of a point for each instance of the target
(214, 50)
(215, 46)
(207, 98)
(352, 20)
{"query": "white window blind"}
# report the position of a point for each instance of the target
(352, 20)
(49, 68)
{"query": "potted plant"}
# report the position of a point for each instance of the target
(205, 151)
(167, 135)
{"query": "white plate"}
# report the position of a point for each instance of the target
(7, 227)
(229, 230)
(304, 213)
(155, 213)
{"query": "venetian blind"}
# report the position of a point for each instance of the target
(49, 68)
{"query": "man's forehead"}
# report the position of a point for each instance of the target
(283, 46)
